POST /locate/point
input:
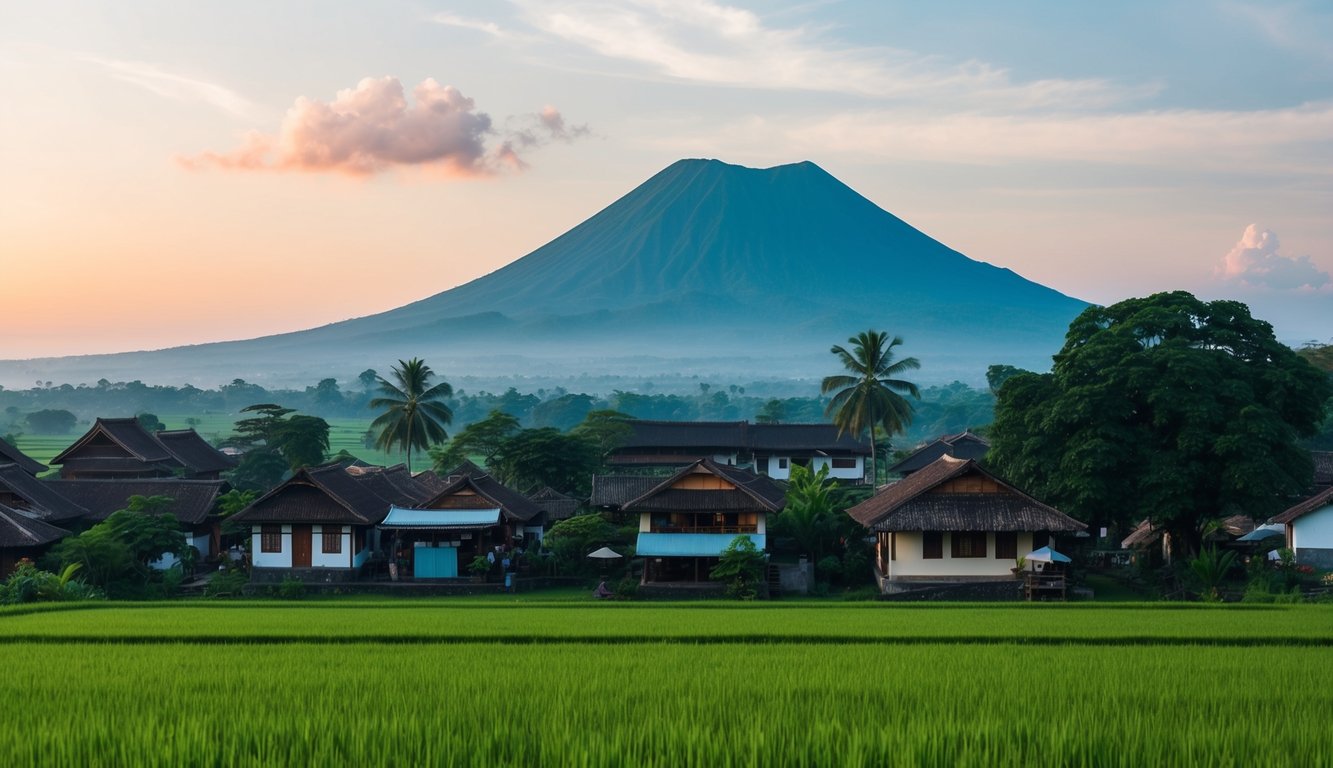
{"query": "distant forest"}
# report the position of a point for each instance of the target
(942, 409)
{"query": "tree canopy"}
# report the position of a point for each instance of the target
(869, 394)
(414, 412)
(1167, 408)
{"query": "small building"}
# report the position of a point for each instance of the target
(10, 454)
(954, 522)
(768, 449)
(555, 504)
(689, 518)
(963, 445)
(193, 503)
(1309, 529)
(24, 536)
(121, 449)
(472, 515)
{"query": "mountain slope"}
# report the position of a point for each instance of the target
(756, 270)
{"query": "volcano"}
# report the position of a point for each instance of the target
(706, 267)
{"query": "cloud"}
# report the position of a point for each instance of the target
(176, 87)
(450, 20)
(372, 128)
(1256, 260)
(707, 42)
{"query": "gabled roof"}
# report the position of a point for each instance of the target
(130, 435)
(751, 492)
(739, 435)
(557, 505)
(910, 505)
(616, 490)
(324, 494)
(45, 501)
(193, 500)
(11, 454)
(513, 504)
(194, 451)
(963, 445)
(394, 484)
(1318, 501)
(18, 531)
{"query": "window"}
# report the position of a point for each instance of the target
(333, 540)
(893, 546)
(844, 463)
(932, 545)
(1006, 546)
(270, 538)
(782, 463)
(359, 539)
(967, 544)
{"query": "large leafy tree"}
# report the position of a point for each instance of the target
(870, 394)
(1167, 408)
(273, 441)
(532, 458)
(480, 438)
(414, 412)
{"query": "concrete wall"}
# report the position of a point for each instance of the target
(1312, 538)
(909, 563)
(774, 469)
(340, 559)
(261, 559)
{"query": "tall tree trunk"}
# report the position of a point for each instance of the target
(874, 466)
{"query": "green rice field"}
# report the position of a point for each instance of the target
(486, 682)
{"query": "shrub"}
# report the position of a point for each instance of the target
(28, 584)
(291, 588)
(741, 566)
(228, 583)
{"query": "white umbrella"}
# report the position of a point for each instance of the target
(1264, 532)
(605, 553)
(1047, 555)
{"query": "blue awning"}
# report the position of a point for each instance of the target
(690, 544)
(421, 519)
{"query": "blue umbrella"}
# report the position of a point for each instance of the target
(1047, 555)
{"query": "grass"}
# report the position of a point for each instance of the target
(501, 682)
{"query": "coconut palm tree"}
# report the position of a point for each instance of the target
(870, 394)
(413, 415)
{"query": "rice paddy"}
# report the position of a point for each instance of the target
(445, 682)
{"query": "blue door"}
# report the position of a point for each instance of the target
(435, 563)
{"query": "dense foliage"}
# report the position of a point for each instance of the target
(28, 584)
(1167, 408)
(116, 555)
(869, 395)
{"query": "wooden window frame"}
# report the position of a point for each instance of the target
(334, 537)
(966, 545)
(270, 539)
(932, 545)
(1006, 545)
(846, 463)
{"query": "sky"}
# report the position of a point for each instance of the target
(176, 173)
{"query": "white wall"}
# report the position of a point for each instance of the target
(774, 469)
(341, 559)
(910, 564)
(261, 559)
(1313, 530)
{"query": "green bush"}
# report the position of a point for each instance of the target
(28, 584)
(291, 588)
(228, 583)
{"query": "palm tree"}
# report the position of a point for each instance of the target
(413, 417)
(869, 395)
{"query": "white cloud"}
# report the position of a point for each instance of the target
(174, 86)
(1256, 259)
(478, 25)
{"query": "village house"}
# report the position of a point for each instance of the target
(1309, 529)
(193, 503)
(768, 449)
(21, 491)
(24, 536)
(953, 522)
(122, 449)
(10, 454)
(963, 445)
(688, 519)
(472, 515)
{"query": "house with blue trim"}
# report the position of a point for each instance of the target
(688, 519)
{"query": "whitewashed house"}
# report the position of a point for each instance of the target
(1309, 529)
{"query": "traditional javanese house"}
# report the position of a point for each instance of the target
(122, 449)
(319, 525)
(10, 454)
(954, 522)
(689, 518)
(193, 503)
(20, 491)
(470, 516)
(555, 504)
(24, 536)
(963, 445)
(1309, 529)
(768, 449)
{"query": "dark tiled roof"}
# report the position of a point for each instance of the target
(324, 494)
(1323, 467)
(129, 434)
(759, 492)
(727, 436)
(393, 484)
(10, 453)
(963, 445)
(124, 466)
(194, 452)
(430, 481)
(193, 500)
(557, 505)
(909, 505)
(1318, 501)
(40, 496)
(513, 504)
(616, 490)
(19, 531)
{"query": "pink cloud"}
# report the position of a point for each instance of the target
(372, 128)
(1256, 260)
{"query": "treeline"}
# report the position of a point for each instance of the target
(942, 409)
